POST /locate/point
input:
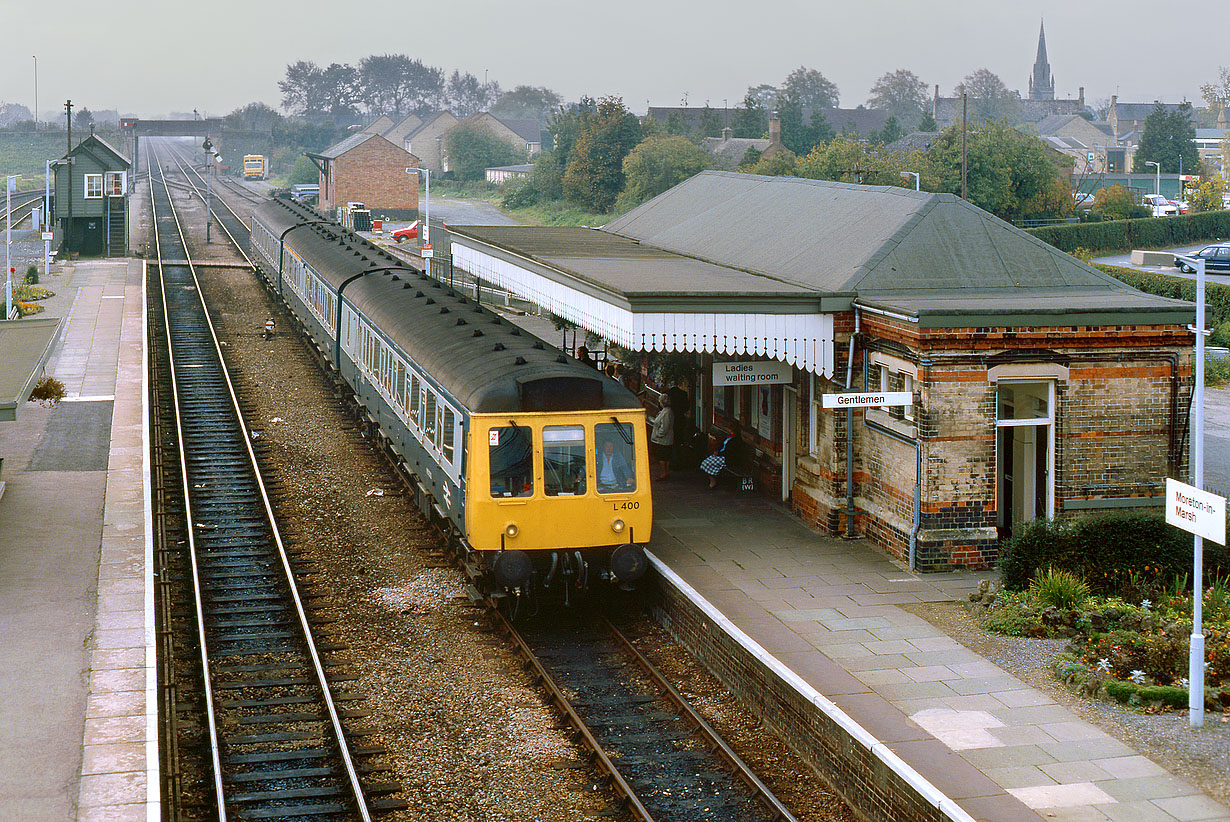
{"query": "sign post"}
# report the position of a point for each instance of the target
(1188, 515)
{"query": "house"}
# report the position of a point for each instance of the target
(396, 134)
(1037, 386)
(378, 126)
(728, 151)
(427, 140)
(523, 135)
(1091, 144)
(1125, 118)
(1209, 143)
(91, 199)
(366, 168)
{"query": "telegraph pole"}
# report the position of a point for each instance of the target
(68, 208)
(964, 163)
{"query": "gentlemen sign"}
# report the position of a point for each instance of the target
(1195, 511)
(867, 400)
(761, 372)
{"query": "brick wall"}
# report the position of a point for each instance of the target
(1121, 394)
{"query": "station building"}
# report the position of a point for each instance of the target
(366, 168)
(1039, 386)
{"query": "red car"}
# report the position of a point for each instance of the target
(410, 232)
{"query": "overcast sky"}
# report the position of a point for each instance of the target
(150, 59)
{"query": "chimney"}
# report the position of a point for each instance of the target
(1081, 97)
(727, 133)
(775, 129)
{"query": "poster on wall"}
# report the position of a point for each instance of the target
(764, 402)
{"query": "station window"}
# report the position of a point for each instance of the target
(93, 186)
(511, 455)
(563, 460)
(897, 381)
(614, 459)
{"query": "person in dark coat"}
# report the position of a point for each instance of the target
(731, 453)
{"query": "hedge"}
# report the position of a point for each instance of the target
(1104, 550)
(1216, 295)
(1126, 235)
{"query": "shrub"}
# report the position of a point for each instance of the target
(1125, 235)
(48, 392)
(1059, 589)
(521, 194)
(32, 275)
(1110, 552)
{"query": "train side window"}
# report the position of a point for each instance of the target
(615, 460)
(399, 385)
(415, 396)
(511, 453)
(563, 460)
(446, 431)
(429, 419)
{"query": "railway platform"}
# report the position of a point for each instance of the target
(826, 615)
(78, 736)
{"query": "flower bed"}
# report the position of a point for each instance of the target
(1136, 653)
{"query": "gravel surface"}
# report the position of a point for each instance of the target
(1199, 755)
(467, 734)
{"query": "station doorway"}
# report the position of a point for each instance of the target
(1024, 453)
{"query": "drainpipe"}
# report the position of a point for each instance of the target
(850, 434)
(916, 525)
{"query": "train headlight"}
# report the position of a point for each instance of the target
(511, 530)
(618, 526)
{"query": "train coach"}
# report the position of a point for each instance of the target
(535, 463)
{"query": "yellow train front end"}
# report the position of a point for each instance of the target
(559, 499)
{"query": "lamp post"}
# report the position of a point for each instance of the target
(426, 203)
(1195, 660)
(10, 183)
(47, 221)
(210, 155)
(35, 56)
(1157, 181)
(913, 174)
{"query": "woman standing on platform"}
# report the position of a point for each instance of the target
(662, 436)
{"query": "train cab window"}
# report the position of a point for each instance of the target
(511, 453)
(614, 461)
(416, 394)
(446, 432)
(563, 460)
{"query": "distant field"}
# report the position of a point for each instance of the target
(27, 154)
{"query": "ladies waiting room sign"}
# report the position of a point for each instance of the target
(761, 372)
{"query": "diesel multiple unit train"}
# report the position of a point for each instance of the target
(535, 463)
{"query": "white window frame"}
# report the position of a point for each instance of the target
(110, 179)
(92, 182)
(1048, 420)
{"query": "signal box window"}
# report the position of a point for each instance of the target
(563, 460)
(614, 463)
(93, 186)
(511, 455)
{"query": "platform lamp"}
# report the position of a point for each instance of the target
(914, 174)
(1195, 663)
(1157, 181)
(426, 234)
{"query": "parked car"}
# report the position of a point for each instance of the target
(1160, 206)
(1183, 205)
(410, 232)
(1215, 256)
(1083, 199)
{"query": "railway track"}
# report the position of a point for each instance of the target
(273, 743)
(660, 758)
(24, 202)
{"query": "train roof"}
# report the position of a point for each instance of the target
(484, 361)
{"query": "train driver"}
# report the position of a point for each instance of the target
(613, 471)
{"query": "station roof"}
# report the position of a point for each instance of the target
(25, 346)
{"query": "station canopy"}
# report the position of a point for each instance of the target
(743, 264)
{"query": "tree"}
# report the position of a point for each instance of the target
(902, 95)
(396, 85)
(809, 89)
(989, 98)
(847, 159)
(658, 164)
(1168, 138)
(466, 95)
(565, 127)
(764, 96)
(750, 118)
(1208, 196)
(710, 123)
(309, 90)
(83, 119)
(892, 131)
(527, 103)
(473, 148)
(927, 123)
(1217, 94)
(594, 175)
(777, 164)
(253, 117)
(1114, 203)
(1012, 175)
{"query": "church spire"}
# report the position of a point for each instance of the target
(1041, 83)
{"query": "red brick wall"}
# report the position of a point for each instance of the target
(373, 173)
